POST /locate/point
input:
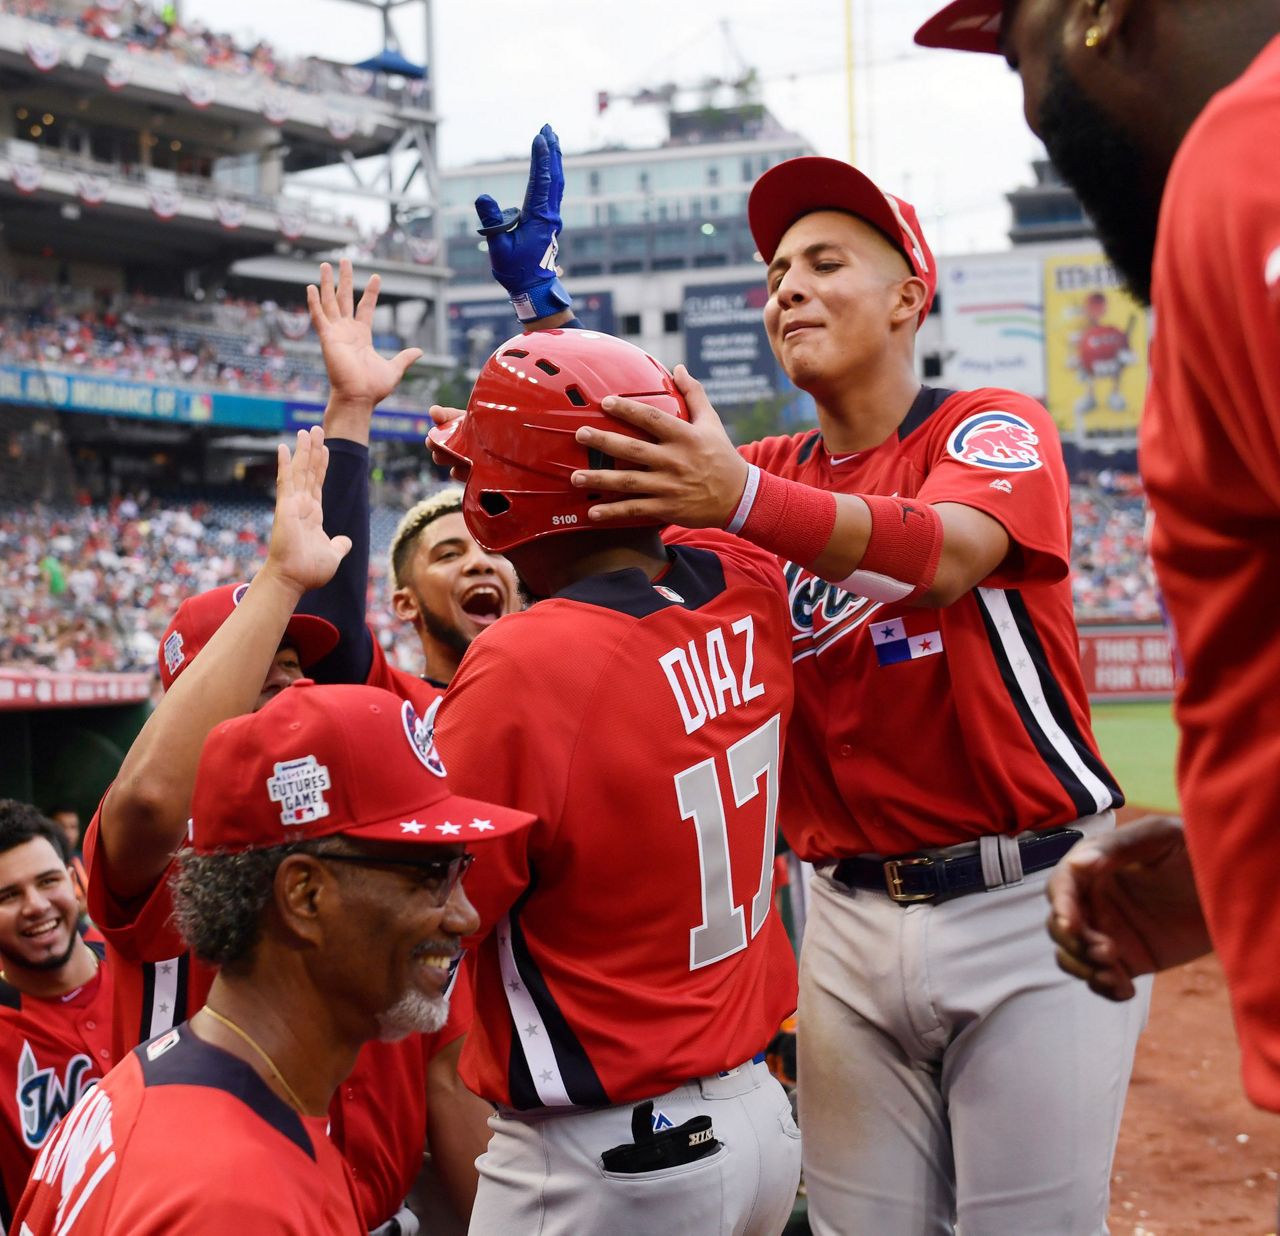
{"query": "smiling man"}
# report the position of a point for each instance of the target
(446, 586)
(940, 761)
(228, 659)
(55, 996)
(323, 879)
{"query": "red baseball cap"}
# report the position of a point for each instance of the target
(798, 187)
(198, 617)
(317, 761)
(965, 25)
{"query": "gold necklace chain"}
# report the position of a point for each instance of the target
(271, 1064)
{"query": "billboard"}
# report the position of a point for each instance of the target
(88, 392)
(993, 320)
(1131, 662)
(727, 350)
(477, 327)
(388, 424)
(1095, 349)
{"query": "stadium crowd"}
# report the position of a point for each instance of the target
(92, 588)
(158, 29)
(220, 343)
(1112, 576)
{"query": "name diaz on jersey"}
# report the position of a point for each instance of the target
(711, 675)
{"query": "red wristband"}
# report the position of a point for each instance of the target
(792, 520)
(901, 558)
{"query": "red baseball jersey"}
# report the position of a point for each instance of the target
(635, 942)
(927, 727)
(182, 1137)
(52, 1050)
(379, 1114)
(1210, 456)
(420, 692)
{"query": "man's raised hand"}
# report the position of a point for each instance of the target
(359, 377)
(301, 553)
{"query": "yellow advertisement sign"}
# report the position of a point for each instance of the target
(1095, 348)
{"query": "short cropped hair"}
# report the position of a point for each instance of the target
(218, 900)
(21, 822)
(446, 501)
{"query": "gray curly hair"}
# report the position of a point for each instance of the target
(218, 900)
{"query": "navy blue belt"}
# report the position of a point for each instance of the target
(911, 878)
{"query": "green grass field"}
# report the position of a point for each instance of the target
(1139, 742)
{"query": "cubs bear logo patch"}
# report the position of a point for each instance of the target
(1000, 440)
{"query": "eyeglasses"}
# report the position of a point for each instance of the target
(436, 876)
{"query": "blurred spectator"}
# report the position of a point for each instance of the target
(127, 566)
(155, 29)
(121, 570)
(224, 343)
(1112, 575)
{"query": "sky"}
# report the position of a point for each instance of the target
(942, 129)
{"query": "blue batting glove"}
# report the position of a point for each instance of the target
(523, 244)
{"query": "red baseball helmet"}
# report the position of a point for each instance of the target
(532, 395)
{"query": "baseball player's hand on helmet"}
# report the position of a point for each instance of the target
(524, 243)
(302, 555)
(359, 377)
(1125, 904)
(691, 474)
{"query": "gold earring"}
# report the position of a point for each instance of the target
(1092, 37)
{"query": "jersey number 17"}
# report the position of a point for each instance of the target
(723, 930)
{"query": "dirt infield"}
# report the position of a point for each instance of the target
(1194, 1155)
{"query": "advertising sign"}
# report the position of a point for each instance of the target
(993, 319)
(1095, 349)
(725, 346)
(477, 327)
(1132, 662)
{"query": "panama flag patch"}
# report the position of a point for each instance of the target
(893, 645)
(1000, 440)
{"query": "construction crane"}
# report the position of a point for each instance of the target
(740, 79)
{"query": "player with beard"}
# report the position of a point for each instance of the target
(445, 586)
(940, 761)
(55, 995)
(322, 879)
(1164, 116)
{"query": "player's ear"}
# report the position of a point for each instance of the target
(911, 296)
(404, 605)
(1097, 26)
(302, 889)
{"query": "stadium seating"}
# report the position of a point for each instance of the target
(146, 29)
(93, 587)
(224, 344)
